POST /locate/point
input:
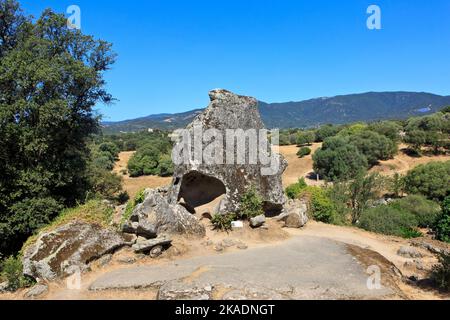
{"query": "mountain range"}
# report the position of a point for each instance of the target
(367, 107)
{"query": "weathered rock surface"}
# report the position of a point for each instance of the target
(155, 216)
(409, 252)
(75, 244)
(200, 182)
(295, 214)
(258, 221)
(146, 246)
(37, 291)
(4, 286)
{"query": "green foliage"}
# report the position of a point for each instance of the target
(338, 160)
(151, 159)
(396, 184)
(11, 271)
(321, 206)
(441, 272)
(388, 220)
(430, 180)
(373, 146)
(293, 191)
(425, 211)
(352, 129)
(50, 80)
(251, 204)
(303, 152)
(442, 224)
(389, 129)
(223, 222)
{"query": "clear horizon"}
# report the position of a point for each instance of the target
(171, 53)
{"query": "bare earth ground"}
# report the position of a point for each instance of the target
(316, 262)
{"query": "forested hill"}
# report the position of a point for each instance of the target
(309, 113)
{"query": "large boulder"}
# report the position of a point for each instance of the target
(197, 183)
(55, 254)
(156, 215)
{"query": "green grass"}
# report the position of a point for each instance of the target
(131, 205)
(94, 211)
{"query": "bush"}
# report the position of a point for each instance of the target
(338, 160)
(321, 206)
(12, 271)
(139, 198)
(251, 204)
(425, 211)
(373, 146)
(430, 180)
(303, 152)
(223, 222)
(441, 272)
(326, 131)
(305, 138)
(442, 225)
(151, 159)
(293, 191)
(388, 220)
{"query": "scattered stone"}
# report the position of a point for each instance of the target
(146, 229)
(419, 265)
(36, 291)
(242, 246)
(208, 243)
(4, 286)
(434, 246)
(147, 246)
(295, 214)
(179, 290)
(130, 239)
(258, 221)
(228, 243)
(75, 244)
(409, 252)
(219, 247)
(130, 227)
(127, 260)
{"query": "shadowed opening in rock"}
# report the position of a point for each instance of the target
(198, 189)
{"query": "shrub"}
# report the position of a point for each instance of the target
(338, 160)
(305, 138)
(442, 225)
(388, 220)
(223, 222)
(12, 271)
(389, 129)
(131, 205)
(373, 146)
(321, 206)
(326, 131)
(430, 180)
(441, 272)
(425, 211)
(251, 204)
(303, 152)
(293, 191)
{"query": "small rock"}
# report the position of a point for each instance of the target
(208, 243)
(4, 286)
(219, 247)
(242, 246)
(295, 215)
(36, 291)
(258, 221)
(237, 225)
(419, 265)
(409, 252)
(146, 229)
(130, 227)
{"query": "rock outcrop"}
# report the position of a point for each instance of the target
(55, 254)
(295, 214)
(198, 182)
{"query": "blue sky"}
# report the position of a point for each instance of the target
(171, 53)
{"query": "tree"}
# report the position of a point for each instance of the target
(338, 160)
(305, 138)
(326, 131)
(373, 146)
(430, 180)
(429, 131)
(50, 80)
(389, 129)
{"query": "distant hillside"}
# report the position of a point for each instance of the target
(336, 110)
